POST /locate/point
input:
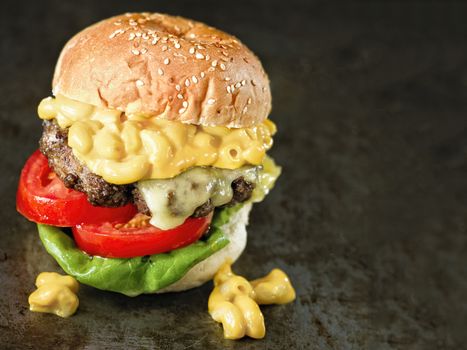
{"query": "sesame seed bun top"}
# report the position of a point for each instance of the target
(165, 66)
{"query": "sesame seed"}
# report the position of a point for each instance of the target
(208, 57)
(187, 82)
(135, 52)
(253, 83)
(211, 69)
(155, 40)
(229, 89)
(202, 74)
(160, 71)
(177, 45)
(116, 33)
(192, 50)
(177, 87)
(200, 47)
(227, 79)
(214, 63)
(139, 83)
(185, 104)
(145, 36)
(144, 50)
(199, 56)
(164, 48)
(211, 101)
(181, 110)
(243, 82)
(132, 36)
(194, 79)
(222, 66)
(138, 35)
(238, 85)
(180, 96)
(249, 100)
(166, 61)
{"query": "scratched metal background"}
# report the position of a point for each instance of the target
(368, 218)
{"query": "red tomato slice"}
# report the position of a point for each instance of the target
(140, 239)
(43, 198)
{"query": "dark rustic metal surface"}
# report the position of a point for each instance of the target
(368, 218)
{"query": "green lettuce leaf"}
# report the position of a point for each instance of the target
(138, 275)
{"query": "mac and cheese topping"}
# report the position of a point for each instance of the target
(234, 301)
(127, 148)
(55, 294)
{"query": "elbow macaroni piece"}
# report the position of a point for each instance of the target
(234, 302)
(275, 288)
(55, 294)
(102, 136)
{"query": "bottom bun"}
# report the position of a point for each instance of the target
(235, 230)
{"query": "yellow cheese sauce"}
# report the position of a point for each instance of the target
(55, 294)
(234, 302)
(127, 148)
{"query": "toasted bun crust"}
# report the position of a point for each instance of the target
(165, 66)
(235, 230)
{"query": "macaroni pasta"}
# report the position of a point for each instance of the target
(234, 302)
(55, 294)
(127, 148)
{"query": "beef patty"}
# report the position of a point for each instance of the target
(54, 145)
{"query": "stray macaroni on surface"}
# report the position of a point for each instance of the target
(275, 288)
(234, 301)
(55, 294)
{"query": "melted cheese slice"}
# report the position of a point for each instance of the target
(172, 201)
(127, 148)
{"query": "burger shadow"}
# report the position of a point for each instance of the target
(97, 301)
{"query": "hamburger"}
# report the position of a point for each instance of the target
(152, 153)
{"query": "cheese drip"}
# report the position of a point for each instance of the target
(172, 201)
(127, 148)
